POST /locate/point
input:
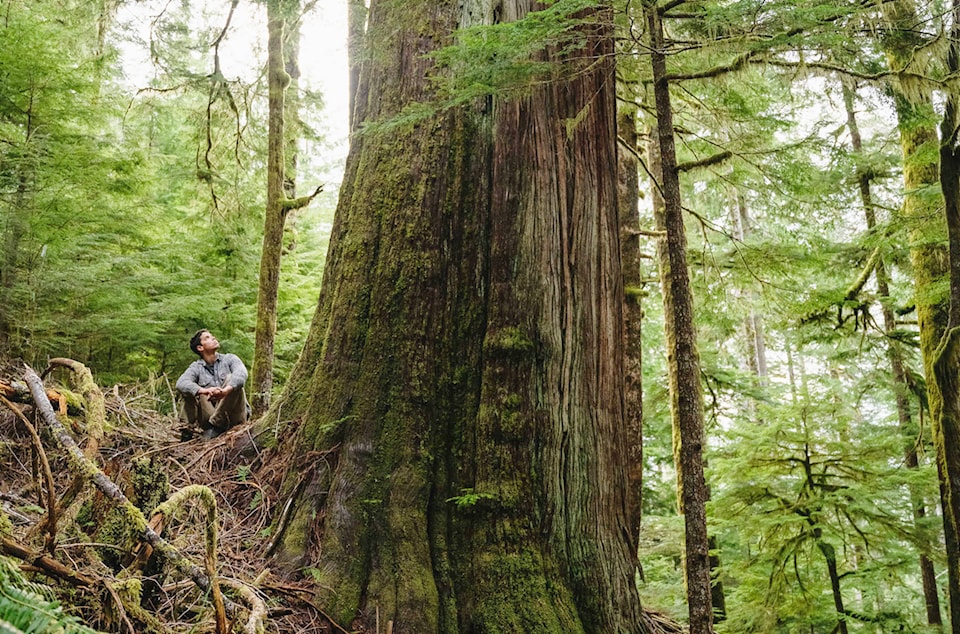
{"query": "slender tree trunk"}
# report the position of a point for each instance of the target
(686, 397)
(457, 413)
(753, 323)
(15, 230)
(901, 390)
(628, 195)
(356, 30)
(275, 216)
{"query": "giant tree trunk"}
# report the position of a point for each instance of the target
(918, 139)
(686, 397)
(457, 410)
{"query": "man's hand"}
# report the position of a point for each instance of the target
(215, 393)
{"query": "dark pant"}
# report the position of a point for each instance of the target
(215, 417)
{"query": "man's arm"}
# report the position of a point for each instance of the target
(187, 383)
(238, 371)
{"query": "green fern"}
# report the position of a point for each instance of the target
(29, 608)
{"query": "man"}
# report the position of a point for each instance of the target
(212, 389)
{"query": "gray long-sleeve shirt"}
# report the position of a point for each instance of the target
(199, 374)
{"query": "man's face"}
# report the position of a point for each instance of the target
(208, 343)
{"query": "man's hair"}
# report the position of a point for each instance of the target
(195, 341)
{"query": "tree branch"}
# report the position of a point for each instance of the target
(707, 162)
(292, 204)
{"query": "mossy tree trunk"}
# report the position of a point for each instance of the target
(908, 429)
(629, 193)
(457, 411)
(929, 258)
(686, 397)
(282, 69)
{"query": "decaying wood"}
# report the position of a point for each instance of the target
(94, 409)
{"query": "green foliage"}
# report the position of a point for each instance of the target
(28, 608)
(469, 497)
(132, 220)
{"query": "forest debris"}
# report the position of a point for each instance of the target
(50, 525)
(246, 500)
(82, 464)
(45, 564)
(95, 410)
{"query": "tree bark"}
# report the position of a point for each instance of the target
(947, 361)
(463, 374)
(686, 397)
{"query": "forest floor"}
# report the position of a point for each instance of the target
(92, 554)
(142, 453)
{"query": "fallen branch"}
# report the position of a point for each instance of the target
(47, 565)
(258, 609)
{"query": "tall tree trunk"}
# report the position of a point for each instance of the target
(901, 390)
(283, 72)
(686, 397)
(356, 30)
(458, 435)
(628, 195)
(275, 216)
(947, 363)
(929, 258)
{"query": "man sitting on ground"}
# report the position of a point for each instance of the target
(212, 389)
